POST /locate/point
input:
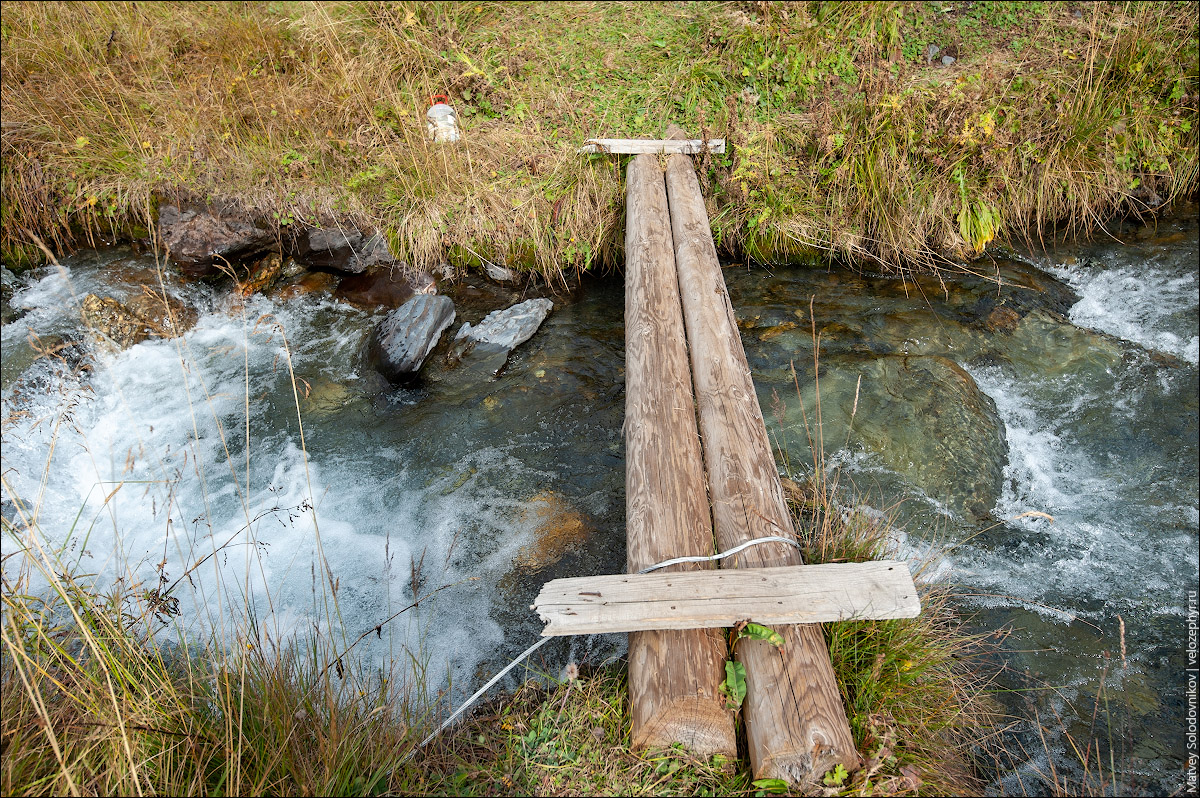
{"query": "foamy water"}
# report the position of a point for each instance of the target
(186, 458)
(1145, 301)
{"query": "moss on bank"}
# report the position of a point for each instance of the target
(847, 134)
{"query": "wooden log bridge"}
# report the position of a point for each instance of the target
(699, 469)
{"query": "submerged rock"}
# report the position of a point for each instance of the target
(321, 396)
(201, 239)
(1002, 320)
(384, 287)
(121, 325)
(262, 275)
(927, 419)
(1025, 288)
(399, 344)
(310, 283)
(558, 529)
(1048, 344)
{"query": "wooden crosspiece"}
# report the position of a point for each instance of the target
(717, 599)
(647, 146)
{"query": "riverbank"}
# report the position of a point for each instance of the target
(896, 135)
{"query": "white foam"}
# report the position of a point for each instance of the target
(1102, 544)
(1137, 303)
(153, 460)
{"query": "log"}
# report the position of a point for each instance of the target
(674, 676)
(636, 146)
(796, 725)
(717, 599)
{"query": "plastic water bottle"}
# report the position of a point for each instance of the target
(441, 121)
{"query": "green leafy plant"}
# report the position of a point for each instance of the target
(836, 777)
(734, 686)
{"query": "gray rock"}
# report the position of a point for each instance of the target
(947, 60)
(373, 252)
(499, 273)
(509, 328)
(399, 344)
(488, 344)
(931, 52)
(327, 248)
(7, 288)
(342, 250)
(200, 239)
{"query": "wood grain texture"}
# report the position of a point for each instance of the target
(674, 676)
(635, 146)
(795, 723)
(716, 599)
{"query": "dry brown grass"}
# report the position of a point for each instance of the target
(843, 139)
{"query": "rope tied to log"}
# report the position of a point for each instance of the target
(527, 652)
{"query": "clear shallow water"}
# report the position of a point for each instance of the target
(1098, 408)
(959, 409)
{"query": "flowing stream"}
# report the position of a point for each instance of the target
(1036, 423)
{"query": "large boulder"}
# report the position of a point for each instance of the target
(201, 239)
(925, 418)
(399, 344)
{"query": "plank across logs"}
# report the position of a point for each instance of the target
(688, 484)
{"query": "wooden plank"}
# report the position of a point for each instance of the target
(796, 725)
(674, 676)
(648, 146)
(719, 599)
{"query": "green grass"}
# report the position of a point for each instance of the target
(843, 139)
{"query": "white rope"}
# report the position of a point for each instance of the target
(722, 555)
(523, 655)
(479, 693)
